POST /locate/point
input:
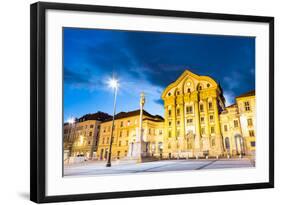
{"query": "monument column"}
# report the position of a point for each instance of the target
(140, 138)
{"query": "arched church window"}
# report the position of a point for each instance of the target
(208, 85)
(188, 90)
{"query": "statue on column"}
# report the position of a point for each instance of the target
(140, 138)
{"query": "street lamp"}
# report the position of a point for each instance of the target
(113, 83)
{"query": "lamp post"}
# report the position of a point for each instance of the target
(113, 83)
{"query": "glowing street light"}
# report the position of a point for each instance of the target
(113, 83)
(71, 120)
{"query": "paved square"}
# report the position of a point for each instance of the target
(123, 167)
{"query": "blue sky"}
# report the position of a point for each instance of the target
(148, 61)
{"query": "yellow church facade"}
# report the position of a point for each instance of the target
(197, 123)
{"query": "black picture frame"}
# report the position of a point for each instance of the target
(38, 101)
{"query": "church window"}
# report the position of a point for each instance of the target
(211, 118)
(212, 130)
(188, 90)
(170, 113)
(202, 119)
(178, 111)
(203, 130)
(169, 133)
(189, 121)
(213, 142)
(178, 92)
(189, 110)
(170, 123)
(178, 133)
(208, 85)
(178, 123)
(210, 105)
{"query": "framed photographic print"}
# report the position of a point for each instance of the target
(129, 102)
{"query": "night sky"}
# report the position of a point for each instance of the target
(148, 61)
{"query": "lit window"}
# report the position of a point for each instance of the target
(251, 133)
(178, 133)
(235, 122)
(189, 121)
(178, 111)
(203, 130)
(210, 105)
(189, 110)
(170, 123)
(250, 122)
(247, 106)
(225, 128)
(213, 142)
(212, 130)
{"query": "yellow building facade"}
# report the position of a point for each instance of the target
(81, 136)
(238, 126)
(126, 131)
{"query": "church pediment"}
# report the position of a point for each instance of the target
(188, 82)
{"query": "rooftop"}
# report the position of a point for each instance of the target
(121, 115)
(247, 94)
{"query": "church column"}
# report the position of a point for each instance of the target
(219, 142)
(182, 131)
(197, 128)
(207, 125)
